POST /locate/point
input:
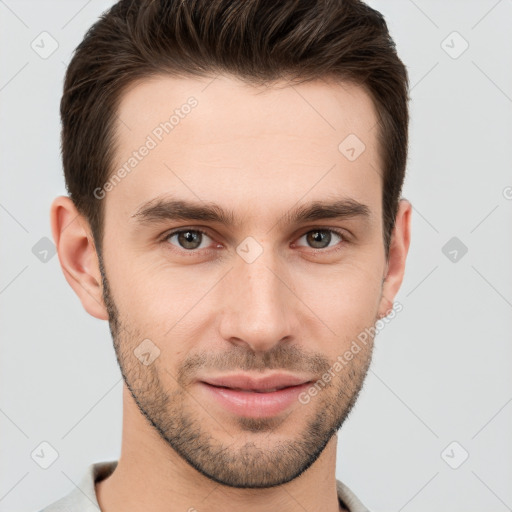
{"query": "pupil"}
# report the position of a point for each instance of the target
(188, 239)
(317, 237)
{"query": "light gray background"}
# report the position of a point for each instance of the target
(442, 367)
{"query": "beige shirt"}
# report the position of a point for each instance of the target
(83, 497)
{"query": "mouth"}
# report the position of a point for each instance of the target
(271, 390)
(254, 402)
(256, 383)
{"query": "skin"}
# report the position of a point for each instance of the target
(259, 152)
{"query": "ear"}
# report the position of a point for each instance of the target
(77, 255)
(398, 249)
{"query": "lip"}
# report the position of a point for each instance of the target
(248, 383)
(236, 393)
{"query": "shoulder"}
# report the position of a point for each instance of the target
(83, 497)
(349, 499)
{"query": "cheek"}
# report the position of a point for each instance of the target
(347, 299)
(162, 303)
(142, 285)
(155, 296)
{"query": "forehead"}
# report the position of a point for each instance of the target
(225, 104)
(222, 140)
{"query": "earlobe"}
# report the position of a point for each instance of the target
(77, 255)
(399, 247)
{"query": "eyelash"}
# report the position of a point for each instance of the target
(194, 252)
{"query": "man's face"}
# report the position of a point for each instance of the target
(264, 293)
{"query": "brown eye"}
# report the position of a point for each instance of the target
(188, 239)
(322, 238)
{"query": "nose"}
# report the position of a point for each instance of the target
(259, 310)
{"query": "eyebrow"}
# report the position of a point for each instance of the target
(165, 208)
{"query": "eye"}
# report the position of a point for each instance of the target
(188, 239)
(321, 238)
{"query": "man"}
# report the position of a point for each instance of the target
(234, 170)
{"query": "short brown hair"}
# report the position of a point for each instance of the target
(260, 42)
